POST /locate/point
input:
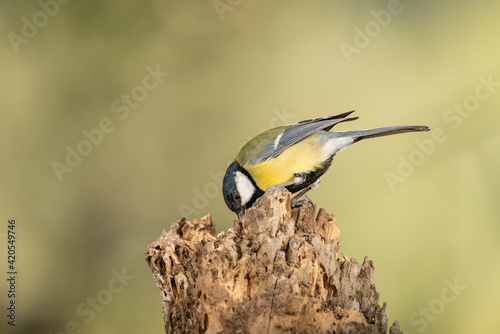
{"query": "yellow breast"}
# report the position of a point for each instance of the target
(303, 157)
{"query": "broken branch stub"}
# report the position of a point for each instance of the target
(275, 271)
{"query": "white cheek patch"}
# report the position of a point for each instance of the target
(335, 145)
(244, 187)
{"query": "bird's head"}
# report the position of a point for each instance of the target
(239, 189)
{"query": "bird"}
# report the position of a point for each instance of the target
(292, 157)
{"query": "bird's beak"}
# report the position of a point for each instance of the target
(241, 213)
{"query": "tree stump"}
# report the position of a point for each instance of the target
(275, 271)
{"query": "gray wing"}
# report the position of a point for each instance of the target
(296, 132)
(282, 137)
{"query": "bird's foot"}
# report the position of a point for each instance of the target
(298, 179)
(267, 191)
(295, 202)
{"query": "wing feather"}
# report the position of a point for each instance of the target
(297, 132)
(288, 135)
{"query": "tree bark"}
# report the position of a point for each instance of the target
(275, 271)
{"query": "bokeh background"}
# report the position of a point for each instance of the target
(423, 208)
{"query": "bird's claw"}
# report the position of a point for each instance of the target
(267, 191)
(295, 202)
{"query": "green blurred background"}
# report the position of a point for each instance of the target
(236, 68)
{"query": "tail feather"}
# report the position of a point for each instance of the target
(358, 135)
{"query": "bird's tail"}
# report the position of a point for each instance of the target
(358, 135)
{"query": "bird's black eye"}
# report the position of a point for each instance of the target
(236, 196)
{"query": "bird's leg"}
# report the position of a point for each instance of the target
(298, 179)
(296, 201)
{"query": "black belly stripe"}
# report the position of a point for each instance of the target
(311, 177)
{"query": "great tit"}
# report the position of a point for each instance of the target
(292, 156)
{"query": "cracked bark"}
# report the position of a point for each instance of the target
(275, 271)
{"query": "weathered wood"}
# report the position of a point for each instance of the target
(275, 271)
